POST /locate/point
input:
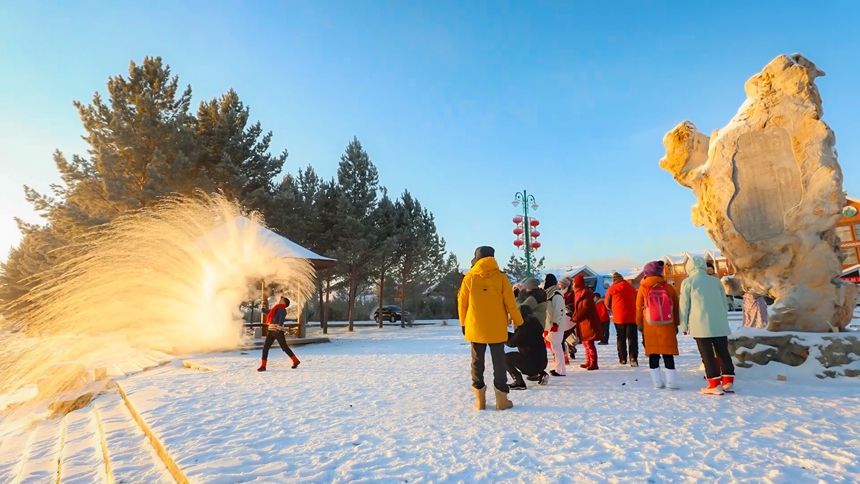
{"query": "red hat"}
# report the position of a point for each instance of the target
(579, 281)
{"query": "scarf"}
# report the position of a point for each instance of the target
(272, 312)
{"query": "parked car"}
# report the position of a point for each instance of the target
(735, 304)
(391, 314)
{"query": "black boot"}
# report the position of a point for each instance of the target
(518, 385)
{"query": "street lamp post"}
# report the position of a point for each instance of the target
(526, 229)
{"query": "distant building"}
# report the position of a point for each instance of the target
(848, 230)
(676, 271)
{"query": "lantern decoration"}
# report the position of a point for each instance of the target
(534, 222)
(518, 219)
(535, 245)
(519, 243)
(535, 234)
(518, 231)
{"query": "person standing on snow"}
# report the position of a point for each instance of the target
(555, 322)
(755, 311)
(275, 319)
(704, 315)
(621, 300)
(657, 318)
(603, 314)
(569, 336)
(485, 302)
(530, 357)
(587, 322)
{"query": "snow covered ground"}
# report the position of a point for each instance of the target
(394, 405)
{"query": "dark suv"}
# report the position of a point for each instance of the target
(391, 314)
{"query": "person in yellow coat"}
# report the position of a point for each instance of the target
(486, 303)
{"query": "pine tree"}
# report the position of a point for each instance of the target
(235, 155)
(386, 243)
(516, 268)
(420, 249)
(144, 144)
(358, 182)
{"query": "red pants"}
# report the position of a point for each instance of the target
(590, 354)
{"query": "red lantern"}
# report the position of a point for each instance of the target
(536, 245)
(519, 243)
(535, 234)
(518, 231)
(518, 219)
(534, 223)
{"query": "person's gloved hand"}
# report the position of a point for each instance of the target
(464, 330)
(554, 328)
(545, 333)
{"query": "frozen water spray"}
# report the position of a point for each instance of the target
(170, 277)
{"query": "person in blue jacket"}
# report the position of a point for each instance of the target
(704, 316)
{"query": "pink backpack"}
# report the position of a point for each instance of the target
(659, 307)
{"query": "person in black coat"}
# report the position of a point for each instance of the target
(530, 357)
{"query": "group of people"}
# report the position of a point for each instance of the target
(560, 314)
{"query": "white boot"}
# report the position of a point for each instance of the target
(671, 379)
(657, 378)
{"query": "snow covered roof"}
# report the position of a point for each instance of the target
(675, 258)
(569, 271)
(279, 245)
(716, 254)
(849, 270)
(852, 199)
(631, 274)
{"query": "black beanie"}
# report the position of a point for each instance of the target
(549, 281)
(482, 252)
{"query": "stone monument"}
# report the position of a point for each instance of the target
(769, 191)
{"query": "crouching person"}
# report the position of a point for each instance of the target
(485, 301)
(530, 358)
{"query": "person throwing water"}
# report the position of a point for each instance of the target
(275, 320)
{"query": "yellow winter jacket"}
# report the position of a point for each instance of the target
(485, 301)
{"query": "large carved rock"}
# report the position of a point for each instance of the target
(769, 191)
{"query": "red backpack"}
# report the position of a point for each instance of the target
(659, 307)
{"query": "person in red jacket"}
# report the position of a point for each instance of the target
(603, 314)
(621, 300)
(588, 323)
(275, 319)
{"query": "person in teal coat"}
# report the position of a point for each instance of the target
(704, 316)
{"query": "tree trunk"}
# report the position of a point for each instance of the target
(327, 298)
(404, 274)
(350, 299)
(381, 297)
(321, 293)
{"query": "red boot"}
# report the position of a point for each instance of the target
(729, 383)
(262, 366)
(295, 361)
(714, 387)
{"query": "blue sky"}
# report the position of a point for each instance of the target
(463, 103)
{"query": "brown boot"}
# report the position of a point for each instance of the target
(480, 397)
(295, 361)
(502, 402)
(262, 365)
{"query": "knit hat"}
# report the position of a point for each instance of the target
(549, 281)
(564, 282)
(616, 277)
(483, 252)
(579, 281)
(531, 284)
(654, 268)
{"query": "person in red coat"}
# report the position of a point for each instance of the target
(621, 300)
(588, 322)
(603, 314)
